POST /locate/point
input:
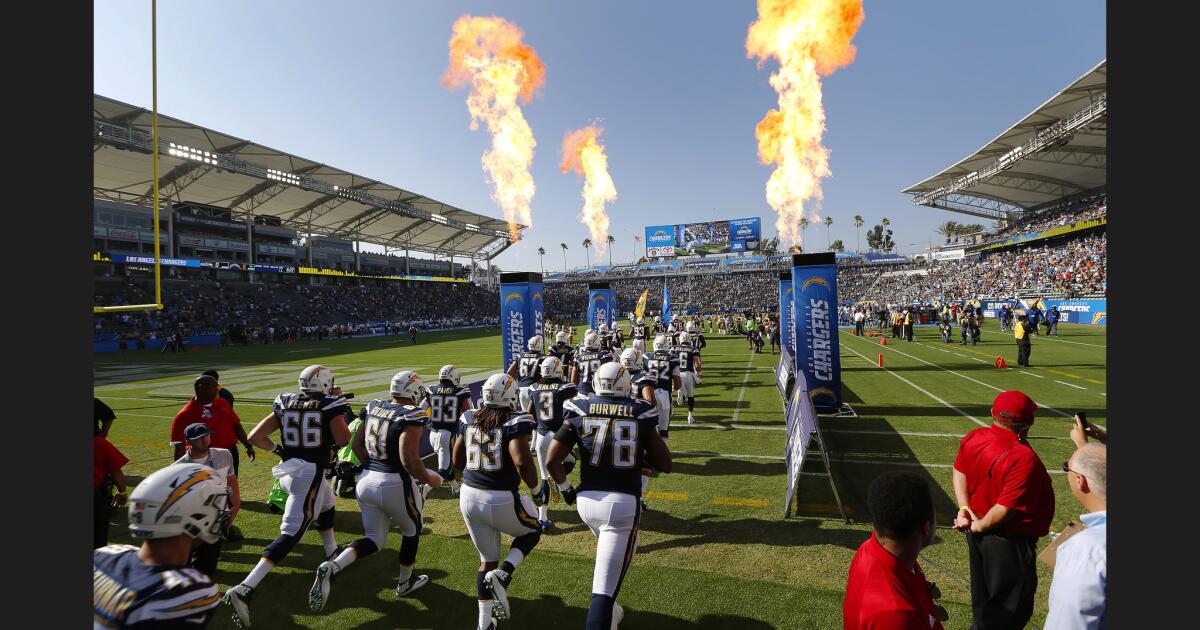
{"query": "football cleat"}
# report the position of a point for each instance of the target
(495, 580)
(411, 584)
(319, 593)
(545, 524)
(238, 598)
(691, 418)
(618, 614)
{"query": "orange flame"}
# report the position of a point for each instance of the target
(809, 39)
(583, 153)
(487, 54)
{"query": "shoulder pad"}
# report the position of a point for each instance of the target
(573, 405)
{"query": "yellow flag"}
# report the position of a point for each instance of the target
(640, 310)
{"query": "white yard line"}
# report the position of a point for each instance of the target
(918, 388)
(1069, 385)
(1078, 343)
(737, 409)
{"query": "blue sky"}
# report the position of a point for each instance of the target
(357, 85)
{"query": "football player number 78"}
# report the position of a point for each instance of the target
(624, 440)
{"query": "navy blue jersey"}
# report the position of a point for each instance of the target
(304, 425)
(586, 364)
(528, 371)
(612, 435)
(489, 464)
(564, 352)
(616, 338)
(687, 358)
(665, 366)
(128, 593)
(386, 420)
(698, 341)
(641, 332)
(546, 403)
(446, 402)
(641, 379)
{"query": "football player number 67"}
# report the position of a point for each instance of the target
(301, 429)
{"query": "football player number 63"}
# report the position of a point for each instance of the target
(301, 429)
(483, 450)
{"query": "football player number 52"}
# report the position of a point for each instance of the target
(301, 429)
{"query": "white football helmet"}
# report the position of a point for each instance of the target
(316, 379)
(685, 339)
(662, 343)
(641, 321)
(407, 384)
(603, 329)
(551, 368)
(690, 327)
(562, 337)
(190, 499)
(450, 373)
(631, 359)
(535, 343)
(639, 345)
(591, 341)
(612, 379)
(500, 391)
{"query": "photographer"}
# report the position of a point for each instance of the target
(1079, 590)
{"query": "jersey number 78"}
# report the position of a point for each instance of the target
(624, 440)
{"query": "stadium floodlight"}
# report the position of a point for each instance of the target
(472, 227)
(437, 217)
(283, 176)
(185, 152)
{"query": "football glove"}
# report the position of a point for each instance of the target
(568, 493)
(541, 494)
(278, 450)
(569, 463)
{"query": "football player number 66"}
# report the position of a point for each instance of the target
(301, 429)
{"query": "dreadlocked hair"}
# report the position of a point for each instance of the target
(490, 418)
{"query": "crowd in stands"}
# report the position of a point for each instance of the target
(1073, 212)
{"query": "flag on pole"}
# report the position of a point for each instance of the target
(666, 309)
(640, 309)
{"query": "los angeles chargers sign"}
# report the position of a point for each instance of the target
(521, 312)
(814, 292)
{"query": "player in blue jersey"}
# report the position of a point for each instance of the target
(388, 444)
(689, 373)
(562, 349)
(664, 365)
(644, 387)
(525, 367)
(172, 510)
(589, 359)
(492, 450)
(447, 400)
(544, 401)
(617, 435)
(311, 424)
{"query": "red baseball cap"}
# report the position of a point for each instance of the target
(1014, 409)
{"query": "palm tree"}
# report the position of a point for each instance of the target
(858, 223)
(541, 254)
(803, 226)
(564, 247)
(828, 222)
(948, 230)
(610, 239)
(587, 244)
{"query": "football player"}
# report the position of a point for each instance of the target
(492, 450)
(605, 338)
(664, 366)
(589, 359)
(659, 327)
(389, 445)
(617, 339)
(311, 424)
(640, 330)
(525, 367)
(616, 435)
(563, 349)
(697, 336)
(545, 401)
(689, 373)
(644, 384)
(447, 400)
(172, 511)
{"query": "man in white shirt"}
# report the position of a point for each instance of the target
(1079, 590)
(198, 438)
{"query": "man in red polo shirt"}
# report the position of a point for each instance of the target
(1006, 502)
(886, 589)
(208, 408)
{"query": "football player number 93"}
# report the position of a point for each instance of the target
(624, 440)
(483, 450)
(301, 429)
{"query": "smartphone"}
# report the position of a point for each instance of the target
(1082, 419)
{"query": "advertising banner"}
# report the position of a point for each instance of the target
(787, 332)
(1091, 312)
(712, 237)
(602, 305)
(521, 312)
(950, 254)
(149, 260)
(801, 425)
(814, 291)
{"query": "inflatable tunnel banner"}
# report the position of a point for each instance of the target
(521, 312)
(602, 307)
(814, 291)
(787, 332)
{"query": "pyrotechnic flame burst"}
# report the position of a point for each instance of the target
(809, 39)
(583, 153)
(488, 54)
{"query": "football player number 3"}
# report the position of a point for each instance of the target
(301, 429)
(624, 440)
(483, 450)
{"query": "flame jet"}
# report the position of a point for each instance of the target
(488, 55)
(583, 153)
(809, 39)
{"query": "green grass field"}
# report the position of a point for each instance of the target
(715, 551)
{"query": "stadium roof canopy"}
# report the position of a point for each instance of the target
(1056, 153)
(217, 169)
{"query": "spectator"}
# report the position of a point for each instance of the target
(1078, 592)
(221, 391)
(104, 418)
(206, 407)
(886, 589)
(1006, 502)
(107, 462)
(204, 556)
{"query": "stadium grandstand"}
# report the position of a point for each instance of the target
(254, 239)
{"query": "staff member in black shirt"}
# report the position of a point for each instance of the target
(1022, 331)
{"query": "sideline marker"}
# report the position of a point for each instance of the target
(880, 359)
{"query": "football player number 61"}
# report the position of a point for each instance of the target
(301, 429)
